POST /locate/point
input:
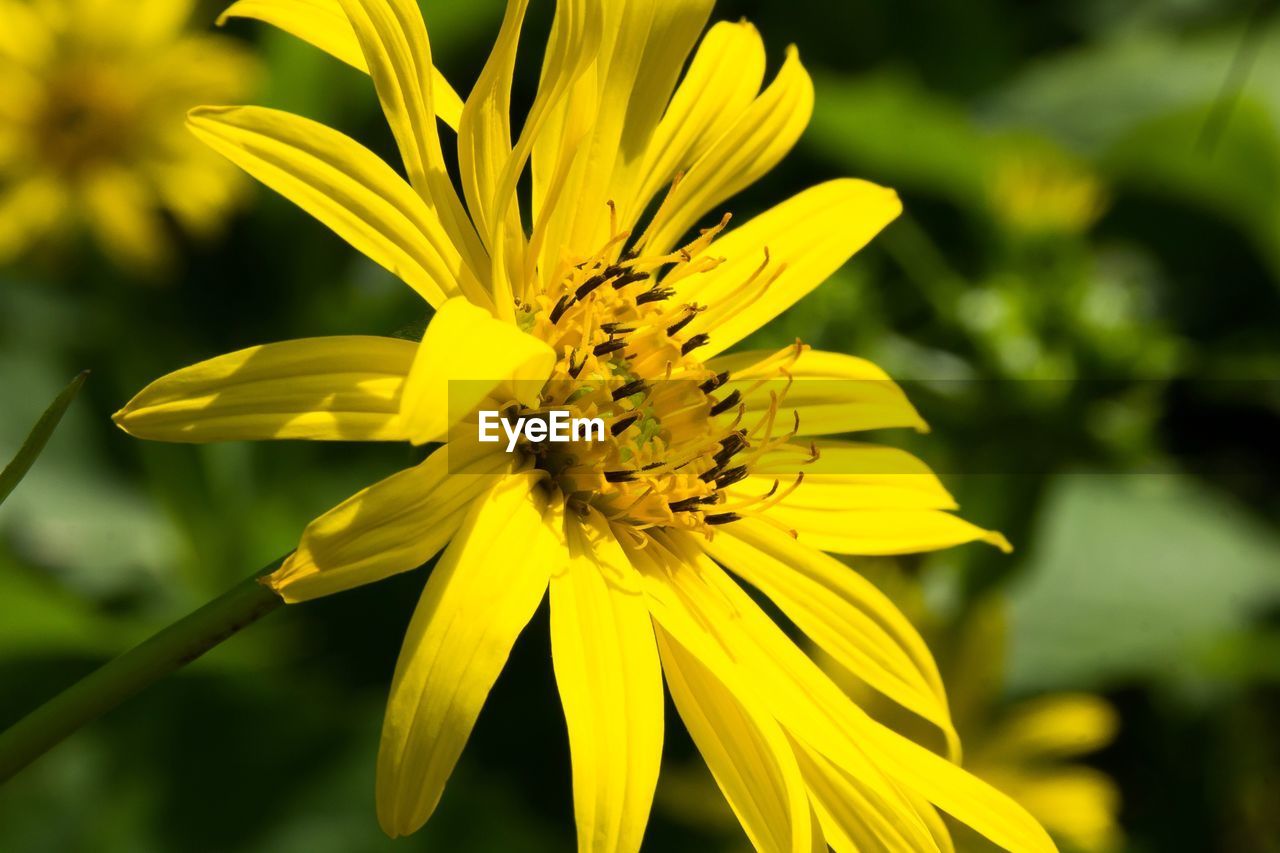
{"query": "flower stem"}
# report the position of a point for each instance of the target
(130, 673)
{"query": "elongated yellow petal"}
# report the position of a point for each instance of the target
(848, 476)
(880, 532)
(484, 134)
(815, 712)
(391, 527)
(755, 143)
(610, 683)
(393, 40)
(335, 389)
(572, 50)
(826, 392)
(703, 108)
(1061, 725)
(850, 822)
(744, 748)
(322, 23)
(712, 617)
(804, 240)
(345, 186)
(843, 613)
(465, 355)
(645, 44)
(479, 597)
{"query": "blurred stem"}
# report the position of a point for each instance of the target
(914, 251)
(105, 688)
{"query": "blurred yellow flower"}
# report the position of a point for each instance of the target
(1038, 190)
(91, 130)
(1026, 749)
(596, 303)
(1026, 753)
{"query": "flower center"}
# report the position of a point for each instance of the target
(84, 119)
(676, 436)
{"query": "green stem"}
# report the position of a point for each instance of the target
(105, 688)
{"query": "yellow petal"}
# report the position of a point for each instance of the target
(572, 49)
(345, 186)
(744, 748)
(816, 713)
(322, 23)
(484, 132)
(645, 44)
(805, 239)
(121, 209)
(334, 389)
(1060, 725)
(391, 527)
(755, 143)
(464, 356)
(881, 532)
(610, 683)
(826, 392)
(393, 39)
(849, 820)
(842, 612)
(479, 597)
(1076, 804)
(713, 617)
(704, 106)
(849, 475)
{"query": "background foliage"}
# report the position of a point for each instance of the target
(1083, 299)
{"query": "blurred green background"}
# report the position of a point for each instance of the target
(1083, 299)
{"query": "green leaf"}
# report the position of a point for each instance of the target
(1136, 576)
(38, 438)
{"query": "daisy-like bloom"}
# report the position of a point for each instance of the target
(91, 125)
(592, 296)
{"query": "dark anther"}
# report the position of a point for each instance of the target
(656, 295)
(615, 329)
(653, 465)
(723, 518)
(709, 475)
(630, 388)
(558, 311)
(588, 286)
(694, 342)
(629, 255)
(608, 347)
(675, 327)
(728, 448)
(733, 475)
(619, 427)
(629, 278)
(575, 369)
(619, 476)
(714, 382)
(727, 403)
(690, 504)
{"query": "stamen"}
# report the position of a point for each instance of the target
(694, 342)
(620, 426)
(630, 388)
(727, 403)
(608, 347)
(714, 382)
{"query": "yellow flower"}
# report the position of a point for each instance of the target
(1026, 749)
(1038, 190)
(580, 299)
(91, 124)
